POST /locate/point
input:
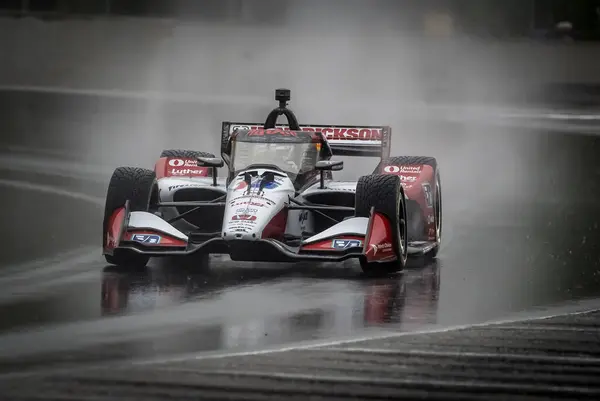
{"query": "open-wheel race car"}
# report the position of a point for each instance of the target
(279, 201)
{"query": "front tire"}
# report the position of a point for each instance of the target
(138, 186)
(386, 195)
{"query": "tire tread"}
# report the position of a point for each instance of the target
(380, 191)
(136, 185)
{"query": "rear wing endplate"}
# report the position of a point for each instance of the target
(344, 140)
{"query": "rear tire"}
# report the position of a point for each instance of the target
(138, 185)
(406, 160)
(385, 194)
(437, 191)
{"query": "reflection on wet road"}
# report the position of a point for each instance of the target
(321, 302)
(520, 232)
(166, 310)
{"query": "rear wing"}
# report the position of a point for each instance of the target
(344, 140)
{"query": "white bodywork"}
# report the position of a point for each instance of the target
(249, 210)
(260, 207)
(144, 220)
(248, 213)
(343, 186)
(169, 185)
(353, 226)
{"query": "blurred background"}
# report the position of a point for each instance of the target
(505, 94)
(172, 70)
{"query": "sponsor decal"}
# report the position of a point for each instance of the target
(336, 243)
(431, 232)
(256, 184)
(241, 228)
(385, 247)
(331, 133)
(183, 163)
(358, 134)
(302, 218)
(379, 240)
(243, 217)
(430, 219)
(402, 169)
(251, 198)
(184, 186)
(240, 185)
(427, 194)
(244, 210)
(345, 243)
(111, 242)
(146, 238)
(408, 178)
(246, 204)
(271, 131)
(189, 171)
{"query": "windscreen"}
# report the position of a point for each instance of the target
(292, 158)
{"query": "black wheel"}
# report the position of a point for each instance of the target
(188, 154)
(437, 196)
(385, 194)
(138, 185)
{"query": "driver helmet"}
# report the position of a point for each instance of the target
(284, 153)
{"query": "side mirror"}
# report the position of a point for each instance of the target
(214, 162)
(328, 165)
(210, 162)
(332, 165)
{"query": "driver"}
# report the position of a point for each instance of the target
(285, 153)
(279, 154)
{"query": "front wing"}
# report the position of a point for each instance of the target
(357, 237)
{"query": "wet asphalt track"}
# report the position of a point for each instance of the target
(508, 249)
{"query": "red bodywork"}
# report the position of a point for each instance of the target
(379, 240)
(179, 167)
(276, 227)
(115, 233)
(377, 244)
(114, 229)
(418, 182)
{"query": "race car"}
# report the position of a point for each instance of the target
(278, 201)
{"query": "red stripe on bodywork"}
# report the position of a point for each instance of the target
(276, 227)
(327, 244)
(113, 230)
(165, 240)
(160, 168)
(379, 241)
